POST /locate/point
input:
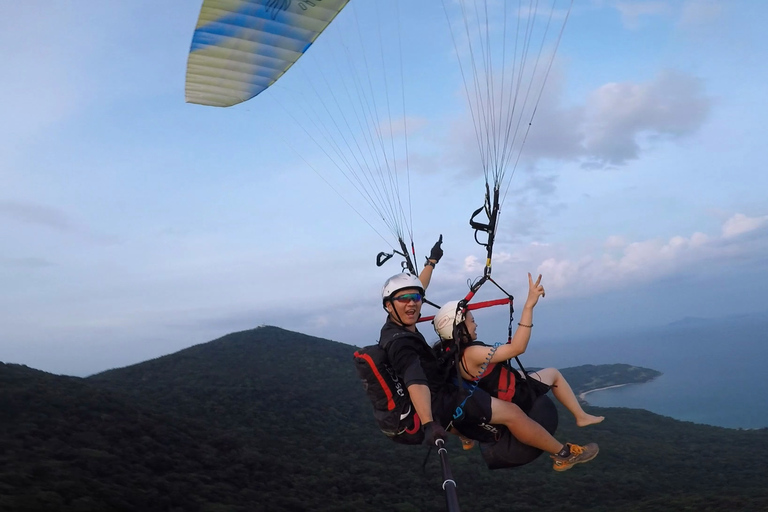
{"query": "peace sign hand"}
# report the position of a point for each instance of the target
(535, 290)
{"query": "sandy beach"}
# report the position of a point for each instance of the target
(585, 393)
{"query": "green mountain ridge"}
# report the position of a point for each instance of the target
(269, 419)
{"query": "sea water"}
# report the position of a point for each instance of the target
(724, 404)
(714, 373)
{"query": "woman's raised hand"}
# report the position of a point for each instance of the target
(535, 290)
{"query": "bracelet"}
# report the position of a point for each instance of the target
(430, 263)
(524, 325)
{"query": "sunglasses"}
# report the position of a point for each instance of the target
(408, 297)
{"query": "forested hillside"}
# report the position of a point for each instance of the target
(272, 420)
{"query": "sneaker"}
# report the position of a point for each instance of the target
(578, 455)
(467, 444)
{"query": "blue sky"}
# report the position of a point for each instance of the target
(133, 224)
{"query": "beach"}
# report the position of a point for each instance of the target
(585, 393)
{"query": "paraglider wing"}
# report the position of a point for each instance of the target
(241, 47)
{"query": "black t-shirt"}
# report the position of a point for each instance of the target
(412, 358)
(415, 362)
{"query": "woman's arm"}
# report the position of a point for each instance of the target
(476, 356)
(522, 335)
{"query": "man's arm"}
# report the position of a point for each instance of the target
(434, 256)
(422, 401)
(404, 358)
(426, 275)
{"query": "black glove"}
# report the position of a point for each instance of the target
(432, 432)
(437, 252)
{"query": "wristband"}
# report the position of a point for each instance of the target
(525, 325)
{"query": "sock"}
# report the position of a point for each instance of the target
(565, 452)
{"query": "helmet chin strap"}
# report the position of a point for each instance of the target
(394, 310)
(396, 314)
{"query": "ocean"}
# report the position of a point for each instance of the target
(714, 371)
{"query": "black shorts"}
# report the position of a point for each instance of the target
(474, 416)
(468, 411)
(528, 390)
(452, 404)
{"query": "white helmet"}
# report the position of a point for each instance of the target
(401, 281)
(447, 318)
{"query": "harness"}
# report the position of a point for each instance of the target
(498, 379)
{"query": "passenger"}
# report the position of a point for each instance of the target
(436, 395)
(489, 366)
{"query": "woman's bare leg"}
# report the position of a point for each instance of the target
(523, 428)
(565, 395)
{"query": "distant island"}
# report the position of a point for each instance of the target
(589, 378)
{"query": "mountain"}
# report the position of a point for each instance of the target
(272, 420)
(69, 445)
(751, 318)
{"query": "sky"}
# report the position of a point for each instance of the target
(133, 224)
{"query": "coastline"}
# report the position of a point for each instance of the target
(585, 393)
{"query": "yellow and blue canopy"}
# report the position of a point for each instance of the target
(241, 47)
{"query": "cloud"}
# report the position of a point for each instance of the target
(740, 224)
(36, 214)
(632, 12)
(472, 264)
(28, 263)
(614, 242)
(700, 12)
(615, 123)
(619, 115)
(623, 263)
(635, 14)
